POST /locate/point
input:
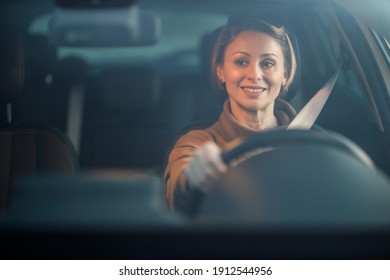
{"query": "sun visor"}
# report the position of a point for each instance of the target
(117, 26)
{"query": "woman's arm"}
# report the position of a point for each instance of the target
(193, 165)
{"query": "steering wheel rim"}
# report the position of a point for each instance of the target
(282, 137)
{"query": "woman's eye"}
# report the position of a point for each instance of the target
(241, 62)
(268, 64)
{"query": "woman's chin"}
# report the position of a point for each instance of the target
(255, 105)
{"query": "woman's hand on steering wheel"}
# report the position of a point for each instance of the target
(206, 167)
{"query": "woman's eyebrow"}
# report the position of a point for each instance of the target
(242, 52)
(268, 54)
(248, 54)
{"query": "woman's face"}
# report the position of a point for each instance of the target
(253, 71)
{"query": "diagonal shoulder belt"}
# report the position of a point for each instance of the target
(309, 113)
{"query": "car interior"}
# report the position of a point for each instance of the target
(91, 105)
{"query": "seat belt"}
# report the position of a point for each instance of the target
(309, 113)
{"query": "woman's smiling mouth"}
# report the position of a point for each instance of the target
(253, 91)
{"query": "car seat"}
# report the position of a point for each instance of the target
(25, 149)
(124, 123)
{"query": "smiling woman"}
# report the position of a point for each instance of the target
(253, 62)
(310, 196)
(254, 73)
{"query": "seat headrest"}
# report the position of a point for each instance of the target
(128, 89)
(41, 58)
(12, 67)
(24, 58)
(69, 71)
(206, 47)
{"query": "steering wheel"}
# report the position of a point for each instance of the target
(281, 138)
(308, 179)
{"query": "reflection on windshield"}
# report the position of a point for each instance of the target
(387, 43)
(174, 38)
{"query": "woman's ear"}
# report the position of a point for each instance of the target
(220, 74)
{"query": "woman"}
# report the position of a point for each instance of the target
(254, 63)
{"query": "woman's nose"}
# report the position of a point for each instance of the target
(255, 73)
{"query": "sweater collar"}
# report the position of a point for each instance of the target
(230, 127)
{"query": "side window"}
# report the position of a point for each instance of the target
(350, 109)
